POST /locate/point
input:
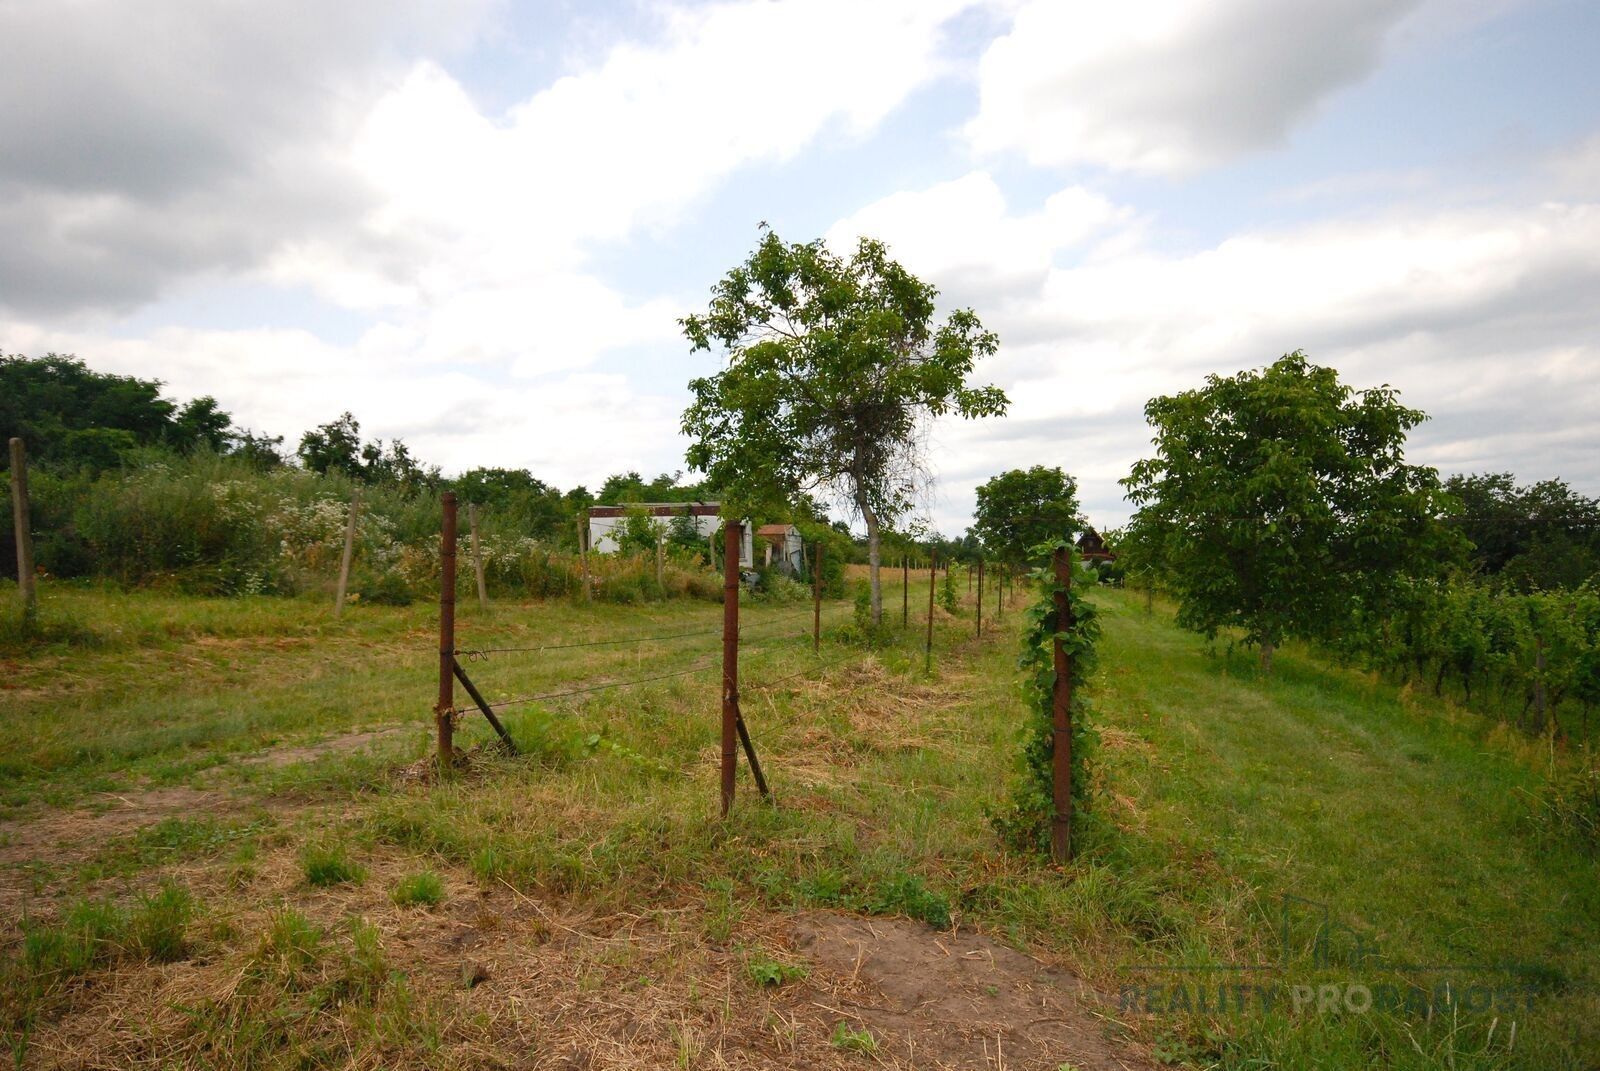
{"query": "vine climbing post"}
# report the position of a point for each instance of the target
(816, 602)
(1061, 714)
(732, 539)
(444, 710)
(933, 568)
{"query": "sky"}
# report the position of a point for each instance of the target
(475, 225)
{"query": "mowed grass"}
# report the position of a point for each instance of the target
(1225, 793)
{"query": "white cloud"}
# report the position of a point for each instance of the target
(961, 233)
(1168, 85)
(1483, 317)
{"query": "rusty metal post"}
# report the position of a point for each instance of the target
(933, 568)
(816, 602)
(978, 608)
(732, 537)
(444, 710)
(1061, 715)
(27, 580)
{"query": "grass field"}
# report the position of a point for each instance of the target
(220, 848)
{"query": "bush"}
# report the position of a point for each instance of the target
(384, 589)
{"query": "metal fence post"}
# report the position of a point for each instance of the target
(443, 712)
(732, 538)
(1061, 715)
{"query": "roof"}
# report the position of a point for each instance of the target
(776, 530)
(660, 509)
(1093, 547)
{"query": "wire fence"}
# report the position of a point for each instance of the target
(763, 639)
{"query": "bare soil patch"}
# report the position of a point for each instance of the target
(958, 1000)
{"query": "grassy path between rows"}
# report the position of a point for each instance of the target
(1224, 794)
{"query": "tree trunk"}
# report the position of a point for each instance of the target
(1267, 647)
(873, 557)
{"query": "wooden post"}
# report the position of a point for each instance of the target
(349, 554)
(999, 591)
(1061, 716)
(732, 537)
(27, 581)
(444, 711)
(661, 561)
(477, 556)
(905, 592)
(927, 666)
(979, 607)
(816, 602)
(583, 550)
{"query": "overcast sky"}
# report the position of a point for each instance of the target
(475, 225)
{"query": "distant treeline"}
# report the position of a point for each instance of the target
(132, 486)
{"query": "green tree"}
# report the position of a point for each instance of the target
(1542, 536)
(74, 417)
(1282, 498)
(337, 447)
(835, 366)
(202, 423)
(333, 447)
(1021, 510)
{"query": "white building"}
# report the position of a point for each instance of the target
(607, 523)
(781, 545)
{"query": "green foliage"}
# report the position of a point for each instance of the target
(1024, 821)
(337, 447)
(383, 588)
(909, 895)
(947, 592)
(834, 365)
(850, 1039)
(1542, 536)
(1502, 649)
(158, 927)
(1020, 510)
(1569, 808)
(330, 864)
(767, 972)
(1276, 497)
(424, 889)
(862, 630)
